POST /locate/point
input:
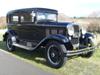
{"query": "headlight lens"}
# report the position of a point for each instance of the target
(70, 29)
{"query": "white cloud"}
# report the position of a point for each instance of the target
(69, 7)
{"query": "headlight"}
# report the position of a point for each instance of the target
(70, 29)
(83, 31)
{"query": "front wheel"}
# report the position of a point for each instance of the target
(90, 43)
(55, 54)
(9, 43)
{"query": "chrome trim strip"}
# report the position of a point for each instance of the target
(79, 53)
(70, 51)
(22, 46)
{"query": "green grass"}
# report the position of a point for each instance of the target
(76, 66)
(1, 36)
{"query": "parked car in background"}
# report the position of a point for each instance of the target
(34, 28)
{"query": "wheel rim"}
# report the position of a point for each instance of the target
(54, 55)
(9, 43)
(90, 43)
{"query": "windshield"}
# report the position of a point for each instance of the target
(46, 17)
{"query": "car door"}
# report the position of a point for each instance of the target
(28, 30)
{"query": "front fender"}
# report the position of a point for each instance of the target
(58, 37)
(88, 35)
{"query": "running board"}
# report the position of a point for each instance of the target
(23, 47)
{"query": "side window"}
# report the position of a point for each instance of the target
(26, 18)
(15, 19)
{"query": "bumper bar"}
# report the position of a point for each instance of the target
(80, 51)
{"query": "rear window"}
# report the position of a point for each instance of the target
(14, 19)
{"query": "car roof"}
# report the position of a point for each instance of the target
(29, 10)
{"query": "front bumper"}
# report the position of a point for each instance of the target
(79, 51)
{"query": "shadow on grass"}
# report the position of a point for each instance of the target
(37, 55)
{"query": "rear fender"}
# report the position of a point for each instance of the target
(9, 32)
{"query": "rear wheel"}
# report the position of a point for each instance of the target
(55, 54)
(9, 43)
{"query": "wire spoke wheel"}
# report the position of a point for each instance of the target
(55, 54)
(90, 43)
(9, 44)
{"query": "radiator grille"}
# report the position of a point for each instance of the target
(75, 37)
(74, 40)
(76, 31)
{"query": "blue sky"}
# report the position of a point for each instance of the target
(68, 7)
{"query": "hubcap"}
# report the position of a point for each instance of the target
(53, 54)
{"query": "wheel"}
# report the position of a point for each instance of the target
(9, 45)
(89, 54)
(55, 54)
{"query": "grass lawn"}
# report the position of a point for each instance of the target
(76, 66)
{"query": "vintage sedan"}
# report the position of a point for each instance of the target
(33, 28)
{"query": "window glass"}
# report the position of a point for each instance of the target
(41, 16)
(46, 16)
(52, 17)
(14, 18)
(26, 18)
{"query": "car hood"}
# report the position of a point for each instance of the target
(55, 23)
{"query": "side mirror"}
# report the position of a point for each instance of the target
(33, 17)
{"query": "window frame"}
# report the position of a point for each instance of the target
(10, 19)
